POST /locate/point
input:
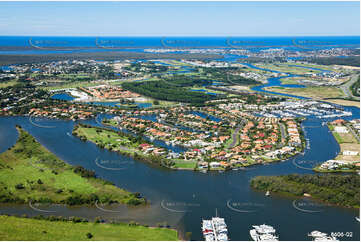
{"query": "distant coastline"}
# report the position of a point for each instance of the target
(105, 56)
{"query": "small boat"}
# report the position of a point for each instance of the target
(254, 234)
(319, 236)
(267, 194)
(263, 233)
(357, 218)
(215, 229)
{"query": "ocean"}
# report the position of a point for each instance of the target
(20, 44)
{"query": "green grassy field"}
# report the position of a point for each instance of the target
(8, 83)
(12, 228)
(72, 85)
(312, 92)
(230, 141)
(344, 138)
(162, 103)
(347, 142)
(206, 90)
(110, 122)
(250, 69)
(182, 164)
(107, 138)
(291, 80)
(323, 67)
(29, 172)
(288, 69)
(126, 145)
(344, 102)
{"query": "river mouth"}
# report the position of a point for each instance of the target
(183, 198)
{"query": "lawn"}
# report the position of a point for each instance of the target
(287, 69)
(344, 138)
(347, 142)
(73, 84)
(110, 122)
(162, 103)
(126, 144)
(312, 92)
(205, 90)
(13, 228)
(107, 138)
(8, 83)
(323, 67)
(344, 102)
(230, 140)
(291, 80)
(184, 164)
(250, 69)
(29, 172)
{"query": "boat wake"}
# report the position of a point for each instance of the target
(40, 210)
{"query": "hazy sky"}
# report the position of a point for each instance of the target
(180, 18)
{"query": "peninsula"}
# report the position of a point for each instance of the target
(30, 173)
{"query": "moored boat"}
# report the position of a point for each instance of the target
(215, 229)
(319, 236)
(263, 233)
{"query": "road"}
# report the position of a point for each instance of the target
(352, 131)
(235, 133)
(346, 87)
(283, 131)
(234, 137)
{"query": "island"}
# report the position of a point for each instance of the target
(329, 188)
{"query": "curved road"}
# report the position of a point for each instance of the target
(346, 87)
(234, 137)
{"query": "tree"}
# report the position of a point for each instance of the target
(89, 235)
(19, 186)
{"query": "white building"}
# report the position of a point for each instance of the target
(341, 129)
(349, 152)
(215, 164)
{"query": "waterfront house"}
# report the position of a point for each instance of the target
(341, 129)
(215, 164)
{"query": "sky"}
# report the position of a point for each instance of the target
(179, 18)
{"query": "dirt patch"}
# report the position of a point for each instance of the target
(344, 102)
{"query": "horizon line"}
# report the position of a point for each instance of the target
(165, 36)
